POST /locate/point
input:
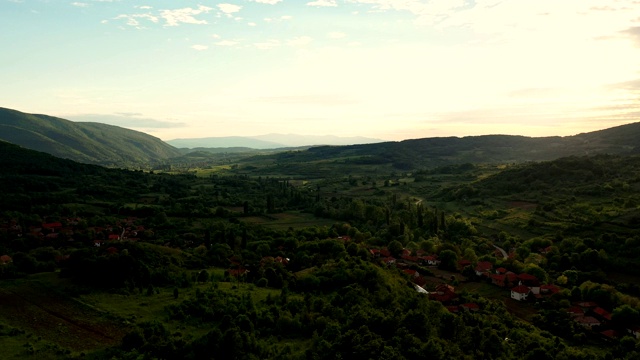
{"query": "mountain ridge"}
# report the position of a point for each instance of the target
(270, 141)
(440, 151)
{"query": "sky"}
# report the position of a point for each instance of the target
(386, 69)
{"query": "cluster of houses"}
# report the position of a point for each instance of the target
(122, 230)
(523, 287)
(591, 316)
(406, 257)
(70, 229)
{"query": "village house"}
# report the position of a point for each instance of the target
(483, 267)
(575, 311)
(531, 282)
(601, 314)
(549, 289)
(499, 280)
(634, 331)
(444, 293)
(470, 307)
(587, 321)
(411, 273)
(463, 263)
(389, 260)
(430, 260)
(420, 281)
(409, 258)
(520, 293)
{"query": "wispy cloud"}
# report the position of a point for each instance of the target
(632, 85)
(267, 45)
(300, 41)
(270, 2)
(134, 19)
(79, 4)
(185, 15)
(229, 9)
(323, 3)
(281, 18)
(226, 43)
(199, 47)
(325, 100)
(633, 33)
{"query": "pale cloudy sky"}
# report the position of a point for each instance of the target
(390, 69)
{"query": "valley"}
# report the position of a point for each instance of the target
(319, 252)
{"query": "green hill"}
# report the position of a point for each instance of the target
(84, 142)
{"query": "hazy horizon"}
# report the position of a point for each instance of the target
(382, 69)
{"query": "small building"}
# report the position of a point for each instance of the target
(520, 293)
(483, 267)
(575, 311)
(412, 273)
(470, 307)
(634, 331)
(499, 280)
(430, 260)
(587, 321)
(549, 289)
(601, 314)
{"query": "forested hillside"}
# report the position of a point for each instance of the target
(84, 142)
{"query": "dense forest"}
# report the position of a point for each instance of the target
(254, 260)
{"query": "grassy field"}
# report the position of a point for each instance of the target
(522, 310)
(293, 219)
(38, 306)
(41, 319)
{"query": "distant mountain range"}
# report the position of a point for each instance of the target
(103, 144)
(270, 141)
(83, 142)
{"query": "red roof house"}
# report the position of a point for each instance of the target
(500, 280)
(52, 226)
(587, 321)
(483, 267)
(520, 292)
(411, 272)
(575, 311)
(602, 314)
(470, 306)
(549, 289)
